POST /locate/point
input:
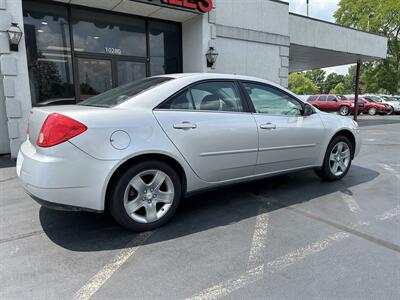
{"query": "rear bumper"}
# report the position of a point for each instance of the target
(63, 176)
(62, 207)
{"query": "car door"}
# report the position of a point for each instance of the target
(287, 139)
(208, 124)
(332, 103)
(322, 104)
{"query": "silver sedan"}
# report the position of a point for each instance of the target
(136, 150)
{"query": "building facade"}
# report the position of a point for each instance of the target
(73, 49)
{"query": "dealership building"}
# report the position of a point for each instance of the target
(72, 49)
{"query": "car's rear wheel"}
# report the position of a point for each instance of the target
(344, 110)
(146, 196)
(337, 159)
(390, 111)
(372, 111)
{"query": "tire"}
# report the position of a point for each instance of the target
(326, 172)
(372, 111)
(145, 196)
(391, 111)
(344, 110)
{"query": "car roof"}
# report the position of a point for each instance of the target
(202, 76)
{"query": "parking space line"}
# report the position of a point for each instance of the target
(95, 283)
(257, 273)
(259, 239)
(394, 212)
(350, 202)
(353, 231)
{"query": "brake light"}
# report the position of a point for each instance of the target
(58, 129)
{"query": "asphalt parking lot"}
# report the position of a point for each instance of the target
(288, 237)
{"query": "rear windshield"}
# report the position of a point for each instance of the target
(122, 93)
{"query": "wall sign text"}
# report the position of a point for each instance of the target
(203, 6)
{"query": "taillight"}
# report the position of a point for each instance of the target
(58, 129)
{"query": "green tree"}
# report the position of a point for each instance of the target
(331, 81)
(339, 89)
(317, 76)
(382, 17)
(301, 85)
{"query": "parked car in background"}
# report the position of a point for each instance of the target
(370, 107)
(137, 149)
(379, 99)
(394, 102)
(333, 103)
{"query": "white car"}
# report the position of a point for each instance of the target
(136, 150)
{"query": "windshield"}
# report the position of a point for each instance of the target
(122, 93)
(341, 97)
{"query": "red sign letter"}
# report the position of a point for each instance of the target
(188, 4)
(205, 5)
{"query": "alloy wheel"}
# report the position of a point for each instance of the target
(372, 111)
(344, 111)
(339, 159)
(149, 196)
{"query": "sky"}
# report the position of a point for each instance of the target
(320, 9)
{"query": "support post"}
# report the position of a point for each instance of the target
(357, 91)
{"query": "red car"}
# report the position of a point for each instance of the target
(371, 107)
(334, 103)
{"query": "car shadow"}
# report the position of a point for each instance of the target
(6, 162)
(96, 232)
(378, 121)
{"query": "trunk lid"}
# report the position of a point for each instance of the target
(39, 114)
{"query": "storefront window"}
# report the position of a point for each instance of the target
(76, 52)
(105, 33)
(48, 51)
(164, 48)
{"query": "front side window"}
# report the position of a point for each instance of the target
(48, 52)
(270, 101)
(207, 96)
(331, 98)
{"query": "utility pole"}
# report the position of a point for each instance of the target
(308, 3)
(357, 91)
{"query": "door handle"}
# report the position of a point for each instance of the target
(185, 126)
(268, 126)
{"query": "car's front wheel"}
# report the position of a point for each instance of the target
(372, 111)
(390, 110)
(344, 110)
(146, 196)
(337, 159)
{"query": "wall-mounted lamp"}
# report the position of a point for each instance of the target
(14, 36)
(211, 56)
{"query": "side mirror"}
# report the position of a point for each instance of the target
(308, 110)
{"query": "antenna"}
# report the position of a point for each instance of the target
(308, 3)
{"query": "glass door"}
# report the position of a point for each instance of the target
(128, 71)
(95, 76)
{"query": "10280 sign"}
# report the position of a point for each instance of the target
(115, 51)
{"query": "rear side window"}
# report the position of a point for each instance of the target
(322, 98)
(312, 98)
(122, 93)
(207, 96)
